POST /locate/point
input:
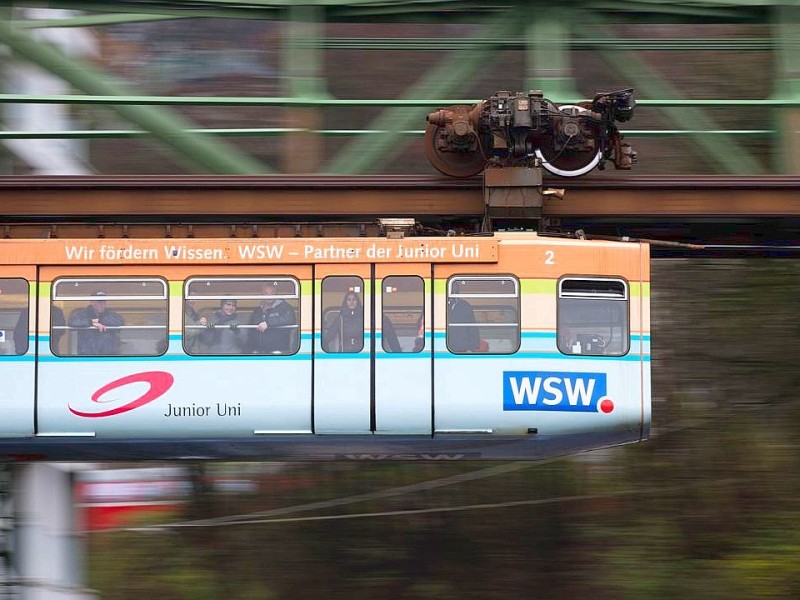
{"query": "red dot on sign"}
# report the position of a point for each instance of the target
(606, 405)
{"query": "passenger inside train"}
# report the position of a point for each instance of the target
(97, 325)
(223, 335)
(464, 335)
(194, 322)
(274, 321)
(345, 331)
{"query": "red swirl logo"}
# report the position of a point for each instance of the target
(160, 382)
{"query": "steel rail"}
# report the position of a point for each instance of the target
(220, 198)
(710, 197)
(261, 198)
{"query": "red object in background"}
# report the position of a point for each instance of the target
(113, 515)
(109, 499)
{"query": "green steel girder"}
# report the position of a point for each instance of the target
(547, 59)
(200, 152)
(441, 45)
(775, 102)
(718, 149)
(425, 10)
(78, 134)
(279, 131)
(545, 38)
(787, 36)
(92, 21)
(360, 156)
(161, 10)
(304, 62)
(787, 85)
(304, 78)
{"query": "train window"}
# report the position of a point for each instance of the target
(13, 316)
(403, 325)
(241, 315)
(109, 317)
(483, 314)
(342, 314)
(593, 316)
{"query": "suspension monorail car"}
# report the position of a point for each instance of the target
(509, 346)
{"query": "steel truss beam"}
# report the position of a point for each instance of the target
(200, 152)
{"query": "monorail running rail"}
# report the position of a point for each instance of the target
(690, 208)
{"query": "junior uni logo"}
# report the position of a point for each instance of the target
(126, 393)
(556, 391)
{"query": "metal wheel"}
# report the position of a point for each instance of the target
(566, 162)
(452, 164)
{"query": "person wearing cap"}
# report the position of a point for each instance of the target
(97, 326)
(274, 319)
(223, 335)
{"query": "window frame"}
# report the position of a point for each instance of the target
(384, 316)
(589, 296)
(26, 307)
(260, 279)
(111, 297)
(322, 293)
(516, 294)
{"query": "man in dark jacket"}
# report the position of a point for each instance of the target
(275, 322)
(96, 324)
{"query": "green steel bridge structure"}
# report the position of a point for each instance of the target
(717, 81)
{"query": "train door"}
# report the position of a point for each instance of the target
(372, 352)
(343, 349)
(17, 350)
(403, 393)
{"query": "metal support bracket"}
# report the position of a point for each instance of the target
(513, 193)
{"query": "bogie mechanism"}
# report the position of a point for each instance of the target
(527, 130)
